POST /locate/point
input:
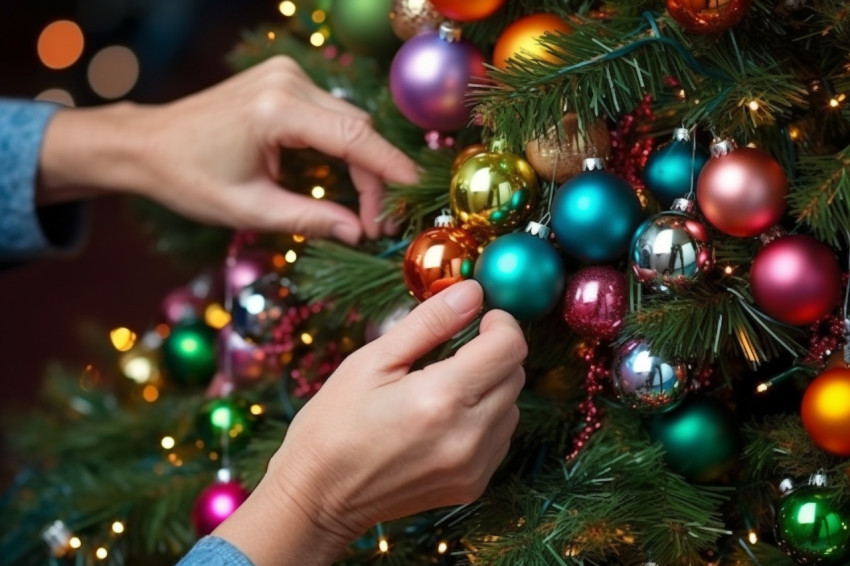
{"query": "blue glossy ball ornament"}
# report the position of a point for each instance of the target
(595, 214)
(521, 274)
(672, 170)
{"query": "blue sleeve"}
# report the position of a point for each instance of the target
(214, 551)
(27, 231)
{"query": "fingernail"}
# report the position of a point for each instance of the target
(463, 297)
(348, 233)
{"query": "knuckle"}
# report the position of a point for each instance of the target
(355, 130)
(432, 408)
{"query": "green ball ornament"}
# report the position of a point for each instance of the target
(189, 353)
(522, 274)
(699, 437)
(225, 422)
(363, 27)
(812, 529)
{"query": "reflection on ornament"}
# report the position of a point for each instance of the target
(812, 528)
(796, 279)
(245, 362)
(672, 170)
(468, 10)
(671, 249)
(646, 382)
(826, 411)
(215, 504)
(246, 268)
(521, 273)
(429, 78)
(595, 214)
(225, 423)
(493, 192)
(362, 26)
(741, 191)
(558, 157)
(465, 154)
(439, 257)
(260, 307)
(595, 302)
(411, 17)
(522, 38)
(708, 16)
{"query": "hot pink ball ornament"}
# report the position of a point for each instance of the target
(595, 302)
(215, 504)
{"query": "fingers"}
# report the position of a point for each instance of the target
(428, 325)
(371, 190)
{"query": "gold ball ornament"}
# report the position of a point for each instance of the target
(465, 154)
(561, 157)
(825, 411)
(493, 193)
(522, 38)
(411, 17)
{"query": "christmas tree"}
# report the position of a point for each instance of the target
(659, 193)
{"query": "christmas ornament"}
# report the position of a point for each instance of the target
(439, 257)
(377, 328)
(142, 363)
(796, 279)
(646, 382)
(671, 249)
(259, 307)
(465, 154)
(187, 302)
(595, 302)
(429, 78)
(363, 26)
(741, 191)
(522, 38)
(224, 423)
(57, 536)
(826, 411)
(244, 362)
(811, 528)
(672, 170)
(631, 146)
(493, 192)
(708, 16)
(558, 157)
(598, 374)
(246, 267)
(215, 504)
(595, 214)
(468, 10)
(521, 273)
(188, 353)
(699, 437)
(410, 17)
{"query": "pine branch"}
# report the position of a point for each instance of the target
(821, 196)
(425, 200)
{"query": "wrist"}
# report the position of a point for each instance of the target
(275, 527)
(90, 152)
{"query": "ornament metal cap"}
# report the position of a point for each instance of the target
(450, 32)
(685, 205)
(771, 234)
(722, 146)
(445, 219)
(818, 479)
(57, 536)
(681, 134)
(786, 486)
(593, 164)
(537, 229)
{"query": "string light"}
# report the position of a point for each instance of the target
(216, 317)
(122, 338)
(298, 238)
(753, 537)
(306, 338)
(319, 16)
(383, 545)
(256, 409)
(75, 542)
(150, 393)
(442, 547)
(117, 527)
(167, 442)
(101, 553)
(728, 270)
(287, 8)
(271, 36)
(290, 256)
(318, 192)
(317, 39)
(762, 387)
(754, 105)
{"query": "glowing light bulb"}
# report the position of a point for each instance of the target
(117, 527)
(317, 39)
(75, 542)
(383, 545)
(753, 105)
(122, 338)
(101, 553)
(287, 8)
(290, 256)
(753, 537)
(167, 442)
(318, 192)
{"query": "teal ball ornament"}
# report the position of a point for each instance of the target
(699, 437)
(363, 27)
(672, 170)
(189, 353)
(595, 214)
(521, 274)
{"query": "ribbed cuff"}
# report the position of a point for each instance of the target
(214, 551)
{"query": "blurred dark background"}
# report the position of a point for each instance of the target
(117, 279)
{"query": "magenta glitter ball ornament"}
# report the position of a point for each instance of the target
(215, 504)
(429, 78)
(595, 302)
(796, 279)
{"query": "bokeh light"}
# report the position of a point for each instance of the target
(113, 71)
(287, 8)
(57, 95)
(60, 44)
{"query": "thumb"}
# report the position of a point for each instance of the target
(430, 324)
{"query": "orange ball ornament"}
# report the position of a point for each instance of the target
(708, 16)
(826, 411)
(521, 38)
(467, 10)
(438, 258)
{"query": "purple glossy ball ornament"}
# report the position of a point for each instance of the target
(595, 302)
(215, 504)
(429, 78)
